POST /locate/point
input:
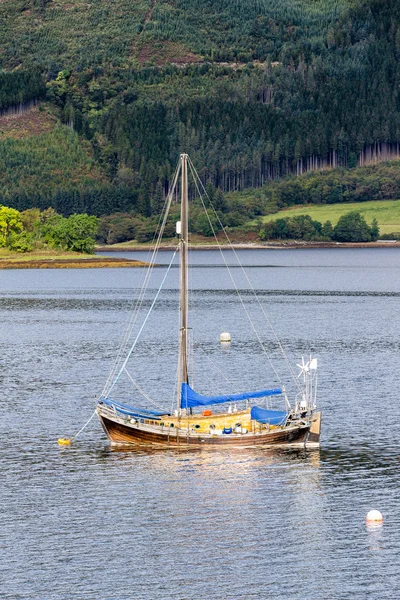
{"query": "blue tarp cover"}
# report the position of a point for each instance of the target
(132, 411)
(273, 417)
(190, 398)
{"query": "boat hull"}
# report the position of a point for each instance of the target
(120, 433)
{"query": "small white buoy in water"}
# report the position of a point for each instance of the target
(225, 338)
(374, 517)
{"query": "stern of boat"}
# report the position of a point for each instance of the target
(314, 435)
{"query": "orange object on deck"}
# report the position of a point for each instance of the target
(207, 413)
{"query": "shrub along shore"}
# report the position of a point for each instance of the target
(46, 239)
(37, 239)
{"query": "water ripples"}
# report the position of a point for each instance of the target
(95, 523)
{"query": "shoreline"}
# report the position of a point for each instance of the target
(70, 263)
(258, 246)
(107, 262)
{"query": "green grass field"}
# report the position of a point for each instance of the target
(386, 212)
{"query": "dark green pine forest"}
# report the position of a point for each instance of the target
(97, 100)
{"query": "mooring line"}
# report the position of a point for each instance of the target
(68, 441)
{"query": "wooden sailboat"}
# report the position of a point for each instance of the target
(198, 420)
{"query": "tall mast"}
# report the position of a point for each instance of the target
(183, 366)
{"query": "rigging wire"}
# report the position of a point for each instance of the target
(143, 324)
(234, 283)
(245, 274)
(139, 302)
(143, 392)
(151, 260)
(198, 180)
(214, 364)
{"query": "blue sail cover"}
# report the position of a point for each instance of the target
(132, 411)
(273, 417)
(190, 398)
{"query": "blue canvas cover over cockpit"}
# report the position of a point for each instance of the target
(271, 417)
(191, 399)
(132, 411)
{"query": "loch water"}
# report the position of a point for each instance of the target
(91, 523)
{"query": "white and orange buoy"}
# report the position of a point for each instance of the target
(374, 517)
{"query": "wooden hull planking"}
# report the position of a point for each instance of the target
(120, 433)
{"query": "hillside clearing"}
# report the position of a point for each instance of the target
(386, 212)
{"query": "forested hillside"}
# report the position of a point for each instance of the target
(253, 90)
